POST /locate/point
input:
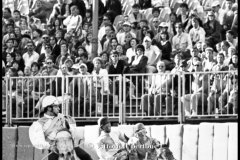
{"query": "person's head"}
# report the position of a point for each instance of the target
(197, 64)
(161, 67)
(128, 37)
(126, 18)
(104, 56)
(195, 22)
(155, 12)
(23, 24)
(133, 42)
(155, 22)
(10, 43)
(119, 49)
(16, 14)
(37, 33)
(229, 35)
(179, 27)
(163, 27)
(215, 6)
(35, 67)
(88, 13)
(49, 62)
(209, 53)
(177, 59)
(15, 65)
(18, 56)
(10, 57)
(64, 69)
(97, 62)
(68, 62)
(140, 131)
(231, 50)
(10, 28)
(89, 37)
(17, 30)
(135, 8)
(229, 4)
(210, 15)
(83, 68)
(45, 38)
(143, 23)
(74, 10)
(106, 19)
(147, 41)
(84, 57)
(30, 46)
(194, 51)
(7, 12)
(81, 50)
(104, 124)
(12, 72)
(126, 26)
(27, 71)
(52, 40)
(163, 35)
(113, 42)
(184, 8)
(234, 59)
(59, 34)
(173, 17)
(48, 48)
(224, 46)
(63, 47)
(114, 56)
(220, 58)
(39, 4)
(140, 49)
(50, 106)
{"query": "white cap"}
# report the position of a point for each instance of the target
(127, 23)
(163, 24)
(215, 3)
(76, 66)
(147, 38)
(49, 100)
(83, 64)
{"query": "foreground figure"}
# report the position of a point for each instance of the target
(54, 132)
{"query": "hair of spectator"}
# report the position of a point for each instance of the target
(184, 5)
(84, 54)
(161, 62)
(114, 52)
(97, 59)
(221, 54)
(55, 39)
(129, 43)
(104, 52)
(17, 11)
(155, 9)
(110, 41)
(12, 55)
(14, 72)
(151, 33)
(81, 47)
(141, 47)
(10, 24)
(8, 9)
(197, 57)
(179, 24)
(136, 5)
(31, 41)
(63, 42)
(35, 64)
(48, 45)
(144, 20)
(86, 39)
(38, 31)
(111, 26)
(178, 56)
(225, 43)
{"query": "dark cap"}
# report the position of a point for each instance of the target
(103, 121)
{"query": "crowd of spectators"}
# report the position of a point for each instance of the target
(186, 42)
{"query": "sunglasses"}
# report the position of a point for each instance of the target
(161, 66)
(49, 62)
(45, 37)
(105, 19)
(155, 21)
(197, 65)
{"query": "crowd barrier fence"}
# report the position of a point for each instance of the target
(123, 97)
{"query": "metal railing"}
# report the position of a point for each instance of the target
(131, 96)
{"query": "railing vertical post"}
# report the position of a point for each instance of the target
(63, 88)
(123, 114)
(180, 109)
(8, 114)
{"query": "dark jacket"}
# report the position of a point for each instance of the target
(139, 68)
(119, 69)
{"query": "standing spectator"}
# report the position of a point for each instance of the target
(171, 23)
(80, 6)
(88, 17)
(9, 59)
(58, 12)
(9, 49)
(136, 16)
(15, 65)
(233, 64)
(102, 30)
(163, 27)
(220, 66)
(197, 33)
(234, 27)
(182, 41)
(73, 21)
(30, 56)
(20, 61)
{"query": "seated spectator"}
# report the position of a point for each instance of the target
(208, 62)
(154, 25)
(105, 60)
(102, 30)
(55, 47)
(193, 102)
(163, 27)
(73, 21)
(155, 14)
(171, 23)
(233, 64)
(194, 53)
(121, 36)
(220, 66)
(84, 59)
(181, 42)
(230, 38)
(110, 33)
(30, 56)
(15, 65)
(64, 54)
(48, 67)
(139, 62)
(69, 63)
(80, 51)
(88, 17)
(10, 28)
(117, 66)
(9, 48)
(183, 17)
(121, 51)
(160, 90)
(212, 28)
(153, 54)
(20, 61)
(9, 60)
(37, 34)
(197, 33)
(136, 16)
(88, 45)
(44, 56)
(131, 51)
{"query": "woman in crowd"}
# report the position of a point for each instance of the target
(131, 51)
(88, 45)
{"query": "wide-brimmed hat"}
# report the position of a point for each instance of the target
(139, 127)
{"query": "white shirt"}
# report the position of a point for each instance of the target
(72, 22)
(130, 52)
(121, 37)
(89, 48)
(197, 34)
(136, 60)
(28, 60)
(153, 52)
(182, 41)
(101, 78)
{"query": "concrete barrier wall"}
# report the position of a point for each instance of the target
(207, 141)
